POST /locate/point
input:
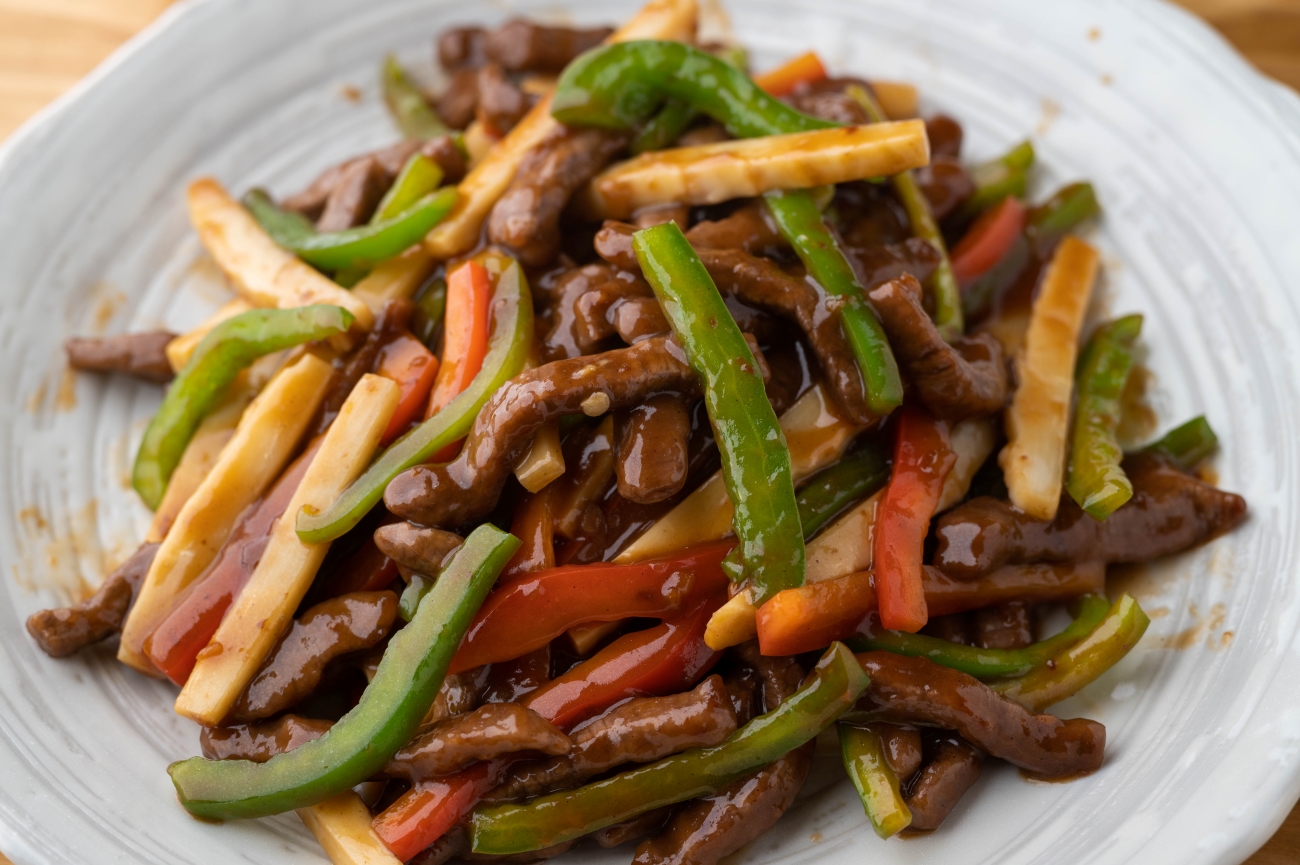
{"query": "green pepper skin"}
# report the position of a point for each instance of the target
(389, 714)
(800, 222)
(619, 86)
(1070, 670)
(984, 663)
(413, 594)
(410, 110)
(877, 785)
(948, 315)
(352, 248)
(418, 177)
(829, 691)
(1095, 479)
(996, 179)
(508, 345)
(676, 116)
(1186, 445)
(227, 349)
(755, 459)
(430, 304)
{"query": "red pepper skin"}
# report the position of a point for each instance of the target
(662, 660)
(175, 644)
(988, 240)
(528, 612)
(366, 570)
(406, 361)
(922, 460)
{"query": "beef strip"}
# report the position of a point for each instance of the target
(143, 355)
(460, 693)
(779, 677)
(462, 47)
(1006, 626)
(652, 440)
(489, 731)
(902, 747)
(878, 263)
(917, 690)
(419, 550)
(749, 228)
(954, 627)
(442, 150)
(745, 689)
(1170, 511)
(353, 199)
(467, 488)
(955, 381)
(707, 829)
(526, 219)
(945, 184)
(331, 628)
(391, 323)
(638, 827)
(638, 318)
(262, 740)
(509, 681)
(501, 104)
(459, 102)
(64, 631)
(953, 769)
(580, 319)
(829, 104)
(450, 844)
(945, 136)
(522, 46)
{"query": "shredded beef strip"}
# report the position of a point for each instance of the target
(501, 104)
(522, 46)
(778, 677)
(462, 47)
(459, 102)
(945, 136)
(959, 380)
(260, 740)
(639, 731)
(417, 549)
(638, 318)
(1006, 626)
(460, 693)
(748, 229)
(490, 731)
(143, 355)
(467, 488)
(954, 627)
(880, 262)
(745, 690)
(332, 628)
(526, 219)
(953, 769)
(652, 438)
(902, 746)
(945, 185)
(1170, 511)
(638, 827)
(354, 198)
(917, 690)
(442, 150)
(580, 310)
(64, 631)
(391, 323)
(509, 681)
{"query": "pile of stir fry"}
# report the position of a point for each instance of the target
(562, 473)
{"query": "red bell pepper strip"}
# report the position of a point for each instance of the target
(175, 644)
(662, 660)
(465, 332)
(814, 615)
(988, 240)
(528, 612)
(783, 80)
(534, 525)
(406, 361)
(922, 460)
(365, 570)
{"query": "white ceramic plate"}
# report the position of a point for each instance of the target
(1197, 161)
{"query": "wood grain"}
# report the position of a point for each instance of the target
(46, 46)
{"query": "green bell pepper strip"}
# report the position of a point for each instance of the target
(882, 798)
(411, 112)
(418, 177)
(983, 663)
(800, 222)
(413, 594)
(389, 714)
(1071, 669)
(948, 316)
(218, 358)
(1094, 477)
(508, 348)
(618, 86)
(755, 458)
(858, 474)
(1188, 444)
(674, 118)
(363, 246)
(430, 304)
(827, 693)
(996, 179)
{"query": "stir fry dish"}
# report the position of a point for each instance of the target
(567, 471)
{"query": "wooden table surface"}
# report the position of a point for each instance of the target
(47, 45)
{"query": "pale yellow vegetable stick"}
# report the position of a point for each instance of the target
(268, 432)
(726, 170)
(180, 348)
(972, 440)
(816, 436)
(544, 460)
(395, 279)
(489, 178)
(342, 826)
(265, 606)
(1038, 420)
(897, 99)
(263, 273)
